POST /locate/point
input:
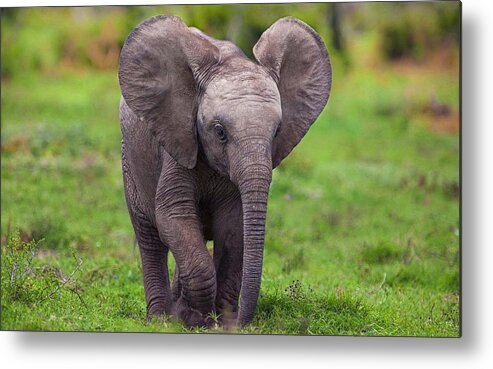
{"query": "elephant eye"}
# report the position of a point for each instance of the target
(221, 134)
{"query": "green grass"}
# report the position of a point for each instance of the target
(363, 219)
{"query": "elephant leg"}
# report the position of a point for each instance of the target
(180, 229)
(194, 288)
(176, 285)
(154, 256)
(228, 259)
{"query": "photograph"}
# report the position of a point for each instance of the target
(235, 169)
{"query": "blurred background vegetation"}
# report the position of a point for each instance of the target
(363, 230)
(48, 40)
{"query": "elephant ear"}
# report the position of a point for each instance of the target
(296, 57)
(161, 67)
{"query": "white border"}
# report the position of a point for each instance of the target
(57, 350)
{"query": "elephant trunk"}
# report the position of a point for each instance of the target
(253, 179)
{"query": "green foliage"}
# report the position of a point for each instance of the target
(381, 253)
(47, 39)
(26, 283)
(413, 30)
(50, 39)
(300, 310)
(17, 257)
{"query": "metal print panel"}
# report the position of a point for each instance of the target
(249, 169)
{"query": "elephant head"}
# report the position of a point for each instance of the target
(201, 96)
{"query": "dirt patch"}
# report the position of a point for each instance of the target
(441, 118)
(445, 124)
(443, 59)
(16, 143)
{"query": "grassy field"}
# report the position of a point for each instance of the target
(363, 220)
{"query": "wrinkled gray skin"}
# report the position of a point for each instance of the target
(203, 126)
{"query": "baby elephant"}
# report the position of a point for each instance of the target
(203, 126)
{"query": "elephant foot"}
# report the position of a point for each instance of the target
(192, 317)
(158, 309)
(228, 320)
(228, 324)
